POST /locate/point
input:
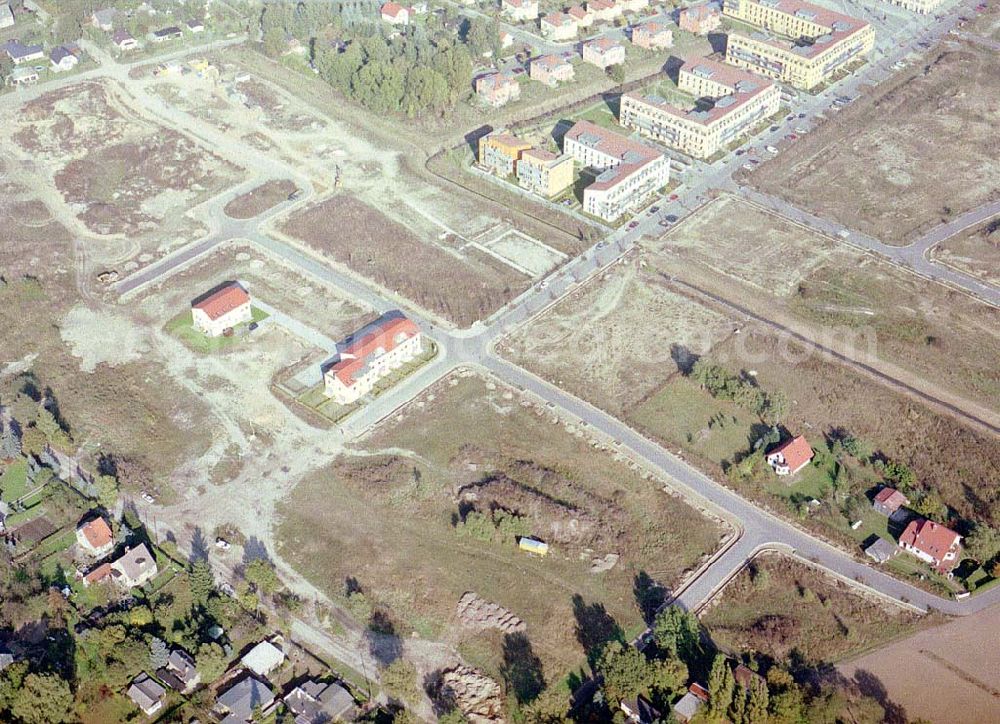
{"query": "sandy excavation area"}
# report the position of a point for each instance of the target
(946, 674)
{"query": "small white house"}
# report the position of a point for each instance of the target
(263, 658)
(6, 16)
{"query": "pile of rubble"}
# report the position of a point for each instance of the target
(478, 613)
(475, 695)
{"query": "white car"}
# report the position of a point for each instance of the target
(147, 497)
(770, 149)
(222, 544)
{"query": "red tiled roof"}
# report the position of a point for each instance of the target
(890, 497)
(550, 62)
(392, 9)
(97, 533)
(700, 691)
(98, 574)
(633, 155)
(932, 538)
(796, 452)
(603, 44)
(223, 301)
(382, 335)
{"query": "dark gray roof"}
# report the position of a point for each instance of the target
(241, 698)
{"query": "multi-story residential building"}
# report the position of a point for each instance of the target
(558, 26)
(551, 70)
(497, 89)
(499, 152)
(731, 102)
(606, 10)
(584, 18)
(652, 35)
(633, 6)
(222, 309)
(544, 172)
(922, 7)
(812, 42)
(603, 52)
(518, 10)
(630, 170)
(700, 19)
(369, 355)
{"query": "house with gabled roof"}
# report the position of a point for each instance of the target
(135, 567)
(147, 694)
(395, 14)
(95, 538)
(313, 702)
(551, 70)
(558, 26)
(518, 10)
(6, 16)
(790, 456)
(238, 702)
(223, 308)
(888, 500)
(104, 19)
(123, 40)
(369, 355)
(933, 543)
(604, 52)
(19, 53)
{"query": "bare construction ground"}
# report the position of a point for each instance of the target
(390, 522)
(118, 172)
(921, 330)
(447, 276)
(779, 605)
(616, 341)
(933, 153)
(949, 669)
(975, 251)
(258, 200)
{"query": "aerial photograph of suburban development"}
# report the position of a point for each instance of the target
(488, 361)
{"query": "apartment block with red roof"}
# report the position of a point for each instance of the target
(652, 35)
(933, 543)
(371, 354)
(558, 26)
(699, 19)
(584, 17)
(604, 53)
(498, 89)
(606, 10)
(790, 456)
(222, 309)
(518, 10)
(551, 70)
(630, 170)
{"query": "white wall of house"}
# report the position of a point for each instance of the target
(380, 364)
(215, 327)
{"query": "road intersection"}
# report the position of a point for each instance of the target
(474, 347)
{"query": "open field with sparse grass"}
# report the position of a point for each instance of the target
(258, 200)
(975, 251)
(391, 520)
(839, 297)
(779, 605)
(631, 329)
(460, 284)
(118, 171)
(948, 669)
(933, 154)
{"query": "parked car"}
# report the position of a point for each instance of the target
(632, 225)
(770, 149)
(654, 209)
(222, 544)
(672, 218)
(673, 197)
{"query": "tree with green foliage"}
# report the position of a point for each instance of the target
(202, 581)
(899, 475)
(107, 491)
(721, 685)
(158, 653)
(677, 633)
(627, 673)
(455, 716)
(983, 543)
(757, 700)
(551, 707)
(42, 699)
(210, 661)
(617, 73)
(399, 679)
(261, 575)
(930, 505)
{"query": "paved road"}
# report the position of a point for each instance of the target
(474, 346)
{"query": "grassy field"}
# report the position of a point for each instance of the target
(13, 482)
(779, 605)
(834, 295)
(895, 164)
(388, 521)
(260, 199)
(182, 327)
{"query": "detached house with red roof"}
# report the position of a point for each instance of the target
(222, 309)
(888, 500)
(371, 354)
(395, 14)
(518, 10)
(933, 544)
(604, 52)
(95, 538)
(790, 456)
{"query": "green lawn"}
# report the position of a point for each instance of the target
(683, 414)
(55, 543)
(14, 481)
(182, 327)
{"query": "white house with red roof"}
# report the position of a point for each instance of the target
(222, 309)
(558, 26)
(371, 354)
(518, 10)
(790, 456)
(604, 53)
(95, 538)
(932, 543)
(395, 14)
